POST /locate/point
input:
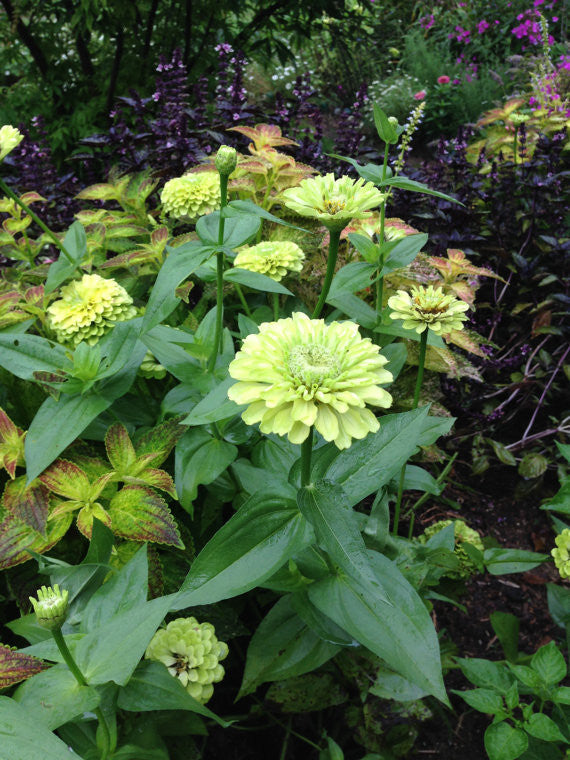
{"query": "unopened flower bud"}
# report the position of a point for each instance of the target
(50, 607)
(10, 137)
(226, 160)
(393, 121)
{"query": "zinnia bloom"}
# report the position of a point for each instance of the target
(334, 202)
(300, 372)
(192, 653)
(273, 259)
(192, 195)
(443, 79)
(10, 137)
(420, 95)
(88, 308)
(561, 554)
(428, 307)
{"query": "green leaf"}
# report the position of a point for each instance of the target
(200, 459)
(401, 632)
(390, 685)
(386, 131)
(114, 655)
(503, 742)
(418, 479)
(403, 183)
(140, 514)
(263, 534)
(373, 461)
(151, 687)
(486, 674)
(351, 278)
(321, 624)
(397, 356)
(404, 252)
(542, 727)
(506, 627)
(355, 308)
(559, 604)
(562, 695)
(59, 422)
(56, 696)
(550, 664)
(527, 676)
(75, 242)
(483, 700)
(214, 406)
(282, 647)
(18, 742)
(503, 561)
(237, 230)
(365, 247)
(324, 505)
(502, 453)
(16, 667)
(369, 172)
(255, 280)
(23, 355)
(250, 208)
(125, 590)
(179, 265)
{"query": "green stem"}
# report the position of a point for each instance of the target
(219, 276)
(82, 681)
(419, 378)
(334, 235)
(306, 451)
(241, 297)
(275, 306)
(283, 754)
(38, 221)
(380, 280)
(421, 363)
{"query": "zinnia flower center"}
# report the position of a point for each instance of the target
(311, 364)
(435, 307)
(182, 663)
(334, 206)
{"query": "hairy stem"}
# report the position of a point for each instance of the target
(334, 235)
(219, 276)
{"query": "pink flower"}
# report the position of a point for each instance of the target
(482, 26)
(420, 95)
(443, 79)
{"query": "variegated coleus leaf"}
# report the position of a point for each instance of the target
(16, 667)
(29, 503)
(134, 466)
(16, 537)
(139, 514)
(11, 445)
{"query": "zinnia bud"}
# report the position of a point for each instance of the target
(226, 160)
(561, 554)
(50, 607)
(10, 137)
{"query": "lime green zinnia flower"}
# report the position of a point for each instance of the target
(192, 195)
(428, 307)
(561, 554)
(273, 259)
(334, 202)
(10, 137)
(88, 308)
(50, 607)
(300, 372)
(192, 653)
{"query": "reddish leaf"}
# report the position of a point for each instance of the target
(11, 444)
(30, 504)
(139, 514)
(67, 479)
(16, 667)
(31, 197)
(16, 537)
(157, 479)
(120, 450)
(159, 236)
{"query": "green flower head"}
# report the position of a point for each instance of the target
(334, 202)
(463, 534)
(428, 307)
(226, 160)
(274, 259)
(192, 195)
(10, 137)
(88, 308)
(192, 653)
(50, 607)
(562, 554)
(300, 372)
